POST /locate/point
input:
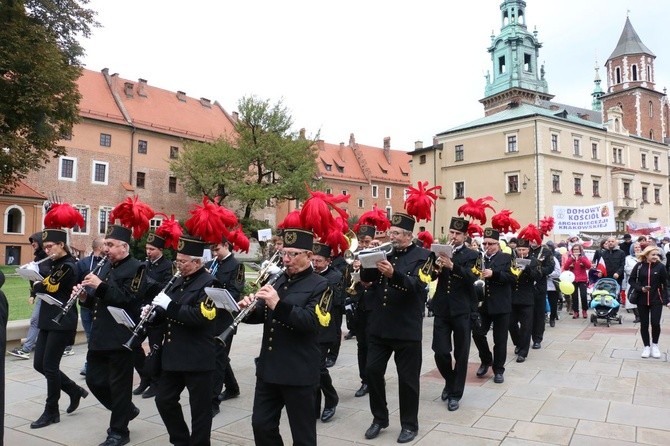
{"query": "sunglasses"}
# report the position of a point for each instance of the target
(489, 243)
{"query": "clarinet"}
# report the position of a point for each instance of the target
(144, 319)
(243, 313)
(76, 295)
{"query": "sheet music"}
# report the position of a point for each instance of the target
(438, 249)
(50, 300)
(522, 263)
(121, 317)
(222, 299)
(369, 260)
(29, 274)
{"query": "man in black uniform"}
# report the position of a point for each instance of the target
(395, 327)
(287, 370)
(546, 260)
(188, 355)
(159, 269)
(230, 275)
(496, 307)
(109, 373)
(327, 335)
(523, 291)
(453, 304)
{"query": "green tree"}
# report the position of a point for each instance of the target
(38, 74)
(263, 160)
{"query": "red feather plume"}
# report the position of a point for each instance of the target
(546, 225)
(474, 229)
(376, 217)
(292, 220)
(504, 223)
(208, 222)
(239, 240)
(420, 200)
(316, 215)
(336, 240)
(531, 233)
(134, 214)
(476, 209)
(63, 215)
(170, 230)
(426, 237)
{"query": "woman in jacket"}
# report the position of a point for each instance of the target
(54, 337)
(631, 261)
(649, 280)
(579, 264)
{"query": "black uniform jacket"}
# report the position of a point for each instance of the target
(290, 352)
(122, 284)
(60, 279)
(160, 271)
(546, 259)
(230, 274)
(189, 343)
(334, 277)
(455, 292)
(523, 290)
(498, 288)
(397, 303)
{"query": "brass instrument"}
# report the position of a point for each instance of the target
(433, 264)
(355, 278)
(349, 255)
(268, 270)
(480, 284)
(73, 298)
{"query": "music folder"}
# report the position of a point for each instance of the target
(369, 259)
(121, 317)
(222, 299)
(29, 274)
(50, 300)
(522, 263)
(438, 249)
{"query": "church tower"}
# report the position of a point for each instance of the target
(516, 76)
(630, 86)
(596, 103)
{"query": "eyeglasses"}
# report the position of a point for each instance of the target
(393, 233)
(291, 255)
(489, 243)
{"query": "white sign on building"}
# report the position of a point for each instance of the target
(574, 219)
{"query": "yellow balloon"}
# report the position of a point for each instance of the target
(566, 287)
(562, 250)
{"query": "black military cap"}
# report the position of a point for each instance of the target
(522, 243)
(459, 224)
(491, 233)
(54, 235)
(191, 246)
(403, 221)
(364, 230)
(155, 240)
(321, 249)
(120, 233)
(298, 238)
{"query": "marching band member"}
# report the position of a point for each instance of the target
(523, 290)
(546, 259)
(453, 303)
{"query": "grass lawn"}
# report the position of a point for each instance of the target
(17, 291)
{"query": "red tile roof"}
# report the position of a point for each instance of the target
(395, 169)
(96, 99)
(342, 161)
(25, 191)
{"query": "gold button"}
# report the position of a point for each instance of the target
(269, 339)
(272, 330)
(384, 304)
(270, 348)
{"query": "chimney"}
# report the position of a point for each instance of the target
(320, 145)
(584, 116)
(181, 96)
(236, 116)
(554, 107)
(387, 149)
(141, 84)
(352, 140)
(418, 145)
(302, 133)
(205, 102)
(128, 89)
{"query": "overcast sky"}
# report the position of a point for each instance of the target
(408, 70)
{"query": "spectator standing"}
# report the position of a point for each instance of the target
(579, 264)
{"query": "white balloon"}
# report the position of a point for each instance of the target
(567, 276)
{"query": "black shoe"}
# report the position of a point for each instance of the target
(452, 405)
(517, 350)
(362, 391)
(374, 430)
(330, 362)
(445, 394)
(552, 322)
(637, 320)
(229, 394)
(76, 398)
(215, 410)
(482, 370)
(520, 358)
(144, 384)
(46, 419)
(150, 392)
(116, 440)
(348, 336)
(134, 412)
(537, 345)
(498, 378)
(406, 436)
(328, 414)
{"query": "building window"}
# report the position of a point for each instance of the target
(578, 186)
(375, 192)
(512, 184)
(139, 181)
(651, 109)
(577, 147)
(329, 167)
(459, 189)
(387, 193)
(361, 203)
(626, 189)
(14, 220)
(99, 173)
(155, 223)
(527, 66)
(458, 152)
(643, 160)
(142, 146)
(645, 195)
(340, 169)
(345, 192)
(511, 144)
(617, 155)
(594, 150)
(656, 165)
(618, 74)
(105, 140)
(501, 65)
(67, 170)
(174, 152)
(404, 194)
(389, 212)
(172, 185)
(555, 182)
(554, 142)
(657, 195)
(422, 159)
(329, 191)
(83, 210)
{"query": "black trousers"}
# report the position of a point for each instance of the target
(361, 331)
(407, 356)
(553, 304)
(199, 385)
(269, 400)
(650, 315)
(325, 384)
(539, 307)
(454, 369)
(48, 352)
(334, 348)
(520, 325)
(109, 376)
(500, 324)
(223, 373)
(579, 295)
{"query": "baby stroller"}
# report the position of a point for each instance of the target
(605, 301)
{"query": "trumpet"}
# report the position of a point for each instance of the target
(73, 298)
(243, 313)
(143, 320)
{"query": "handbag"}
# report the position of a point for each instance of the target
(632, 296)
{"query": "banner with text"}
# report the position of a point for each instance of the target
(596, 218)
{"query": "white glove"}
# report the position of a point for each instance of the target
(162, 300)
(145, 310)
